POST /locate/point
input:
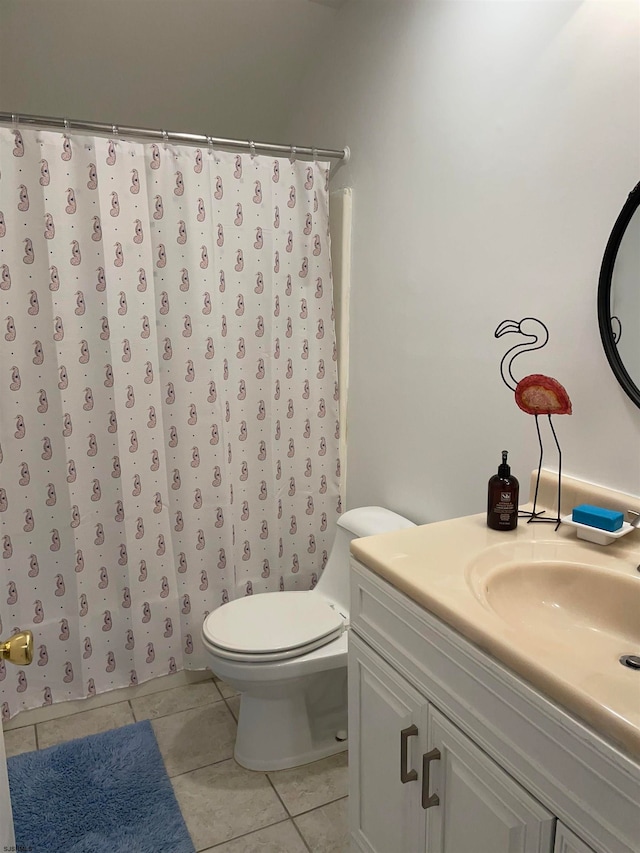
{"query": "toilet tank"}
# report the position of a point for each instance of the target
(364, 521)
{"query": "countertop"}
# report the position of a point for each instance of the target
(444, 566)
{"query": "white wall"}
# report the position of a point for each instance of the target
(493, 146)
(222, 67)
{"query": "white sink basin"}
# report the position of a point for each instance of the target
(566, 599)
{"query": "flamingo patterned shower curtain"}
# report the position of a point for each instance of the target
(168, 427)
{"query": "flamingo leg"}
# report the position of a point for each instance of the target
(533, 516)
(537, 516)
(555, 438)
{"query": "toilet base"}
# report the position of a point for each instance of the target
(294, 724)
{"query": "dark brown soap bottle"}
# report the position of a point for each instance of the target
(502, 501)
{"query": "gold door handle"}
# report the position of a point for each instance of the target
(18, 649)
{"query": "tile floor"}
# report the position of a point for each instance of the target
(226, 808)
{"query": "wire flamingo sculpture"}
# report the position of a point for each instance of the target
(536, 394)
(616, 328)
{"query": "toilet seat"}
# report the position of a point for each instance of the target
(272, 626)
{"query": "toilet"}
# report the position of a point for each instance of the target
(286, 654)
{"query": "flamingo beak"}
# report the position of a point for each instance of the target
(507, 326)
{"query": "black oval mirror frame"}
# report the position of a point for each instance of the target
(604, 296)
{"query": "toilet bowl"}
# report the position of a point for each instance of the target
(286, 654)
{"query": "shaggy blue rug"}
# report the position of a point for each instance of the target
(107, 793)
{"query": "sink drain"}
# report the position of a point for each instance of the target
(632, 661)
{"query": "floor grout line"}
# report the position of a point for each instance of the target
(110, 704)
(23, 726)
(229, 709)
(182, 710)
(278, 796)
(149, 719)
(128, 701)
(74, 714)
(315, 808)
(245, 834)
(213, 701)
(202, 767)
(299, 831)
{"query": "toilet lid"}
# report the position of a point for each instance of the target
(272, 624)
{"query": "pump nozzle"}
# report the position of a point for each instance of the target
(504, 470)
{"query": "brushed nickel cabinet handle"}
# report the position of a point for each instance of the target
(427, 758)
(406, 775)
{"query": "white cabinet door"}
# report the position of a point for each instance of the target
(567, 842)
(7, 838)
(385, 812)
(481, 808)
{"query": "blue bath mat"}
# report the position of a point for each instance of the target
(107, 793)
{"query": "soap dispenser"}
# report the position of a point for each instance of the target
(502, 501)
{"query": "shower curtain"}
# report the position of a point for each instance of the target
(169, 427)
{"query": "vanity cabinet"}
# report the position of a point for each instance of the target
(450, 752)
(420, 784)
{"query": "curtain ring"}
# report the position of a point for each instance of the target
(252, 149)
(314, 154)
(114, 130)
(15, 118)
(292, 156)
(165, 137)
(66, 125)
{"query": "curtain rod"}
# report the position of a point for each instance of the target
(190, 138)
